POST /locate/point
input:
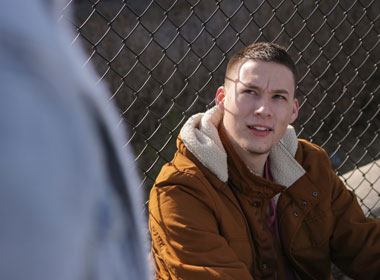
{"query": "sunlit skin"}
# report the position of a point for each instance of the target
(258, 103)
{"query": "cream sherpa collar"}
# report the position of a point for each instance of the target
(200, 136)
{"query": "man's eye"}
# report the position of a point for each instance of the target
(249, 91)
(277, 96)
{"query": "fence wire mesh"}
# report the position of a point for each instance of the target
(164, 59)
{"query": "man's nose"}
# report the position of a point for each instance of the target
(263, 108)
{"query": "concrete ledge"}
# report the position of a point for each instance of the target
(365, 182)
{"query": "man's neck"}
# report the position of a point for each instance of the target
(255, 162)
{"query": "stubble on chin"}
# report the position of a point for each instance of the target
(254, 151)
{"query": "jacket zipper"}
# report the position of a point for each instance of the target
(250, 233)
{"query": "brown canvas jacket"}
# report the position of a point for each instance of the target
(207, 213)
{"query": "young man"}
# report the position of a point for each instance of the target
(244, 198)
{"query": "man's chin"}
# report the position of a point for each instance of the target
(257, 151)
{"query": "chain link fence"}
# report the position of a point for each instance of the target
(164, 59)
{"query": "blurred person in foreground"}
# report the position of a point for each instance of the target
(70, 207)
(243, 198)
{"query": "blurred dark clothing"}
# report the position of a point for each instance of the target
(70, 207)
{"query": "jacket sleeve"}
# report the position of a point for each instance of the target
(186, 243)
(355, 242)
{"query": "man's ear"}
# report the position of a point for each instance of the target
(220, 96)
(295, 111)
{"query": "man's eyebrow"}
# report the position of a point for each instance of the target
(281, 91)
(253, 86)
(250, 85)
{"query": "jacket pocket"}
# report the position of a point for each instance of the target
(315, 230)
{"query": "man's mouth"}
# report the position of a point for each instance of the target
(259, 128)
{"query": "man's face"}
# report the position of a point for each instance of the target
(258, 103)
